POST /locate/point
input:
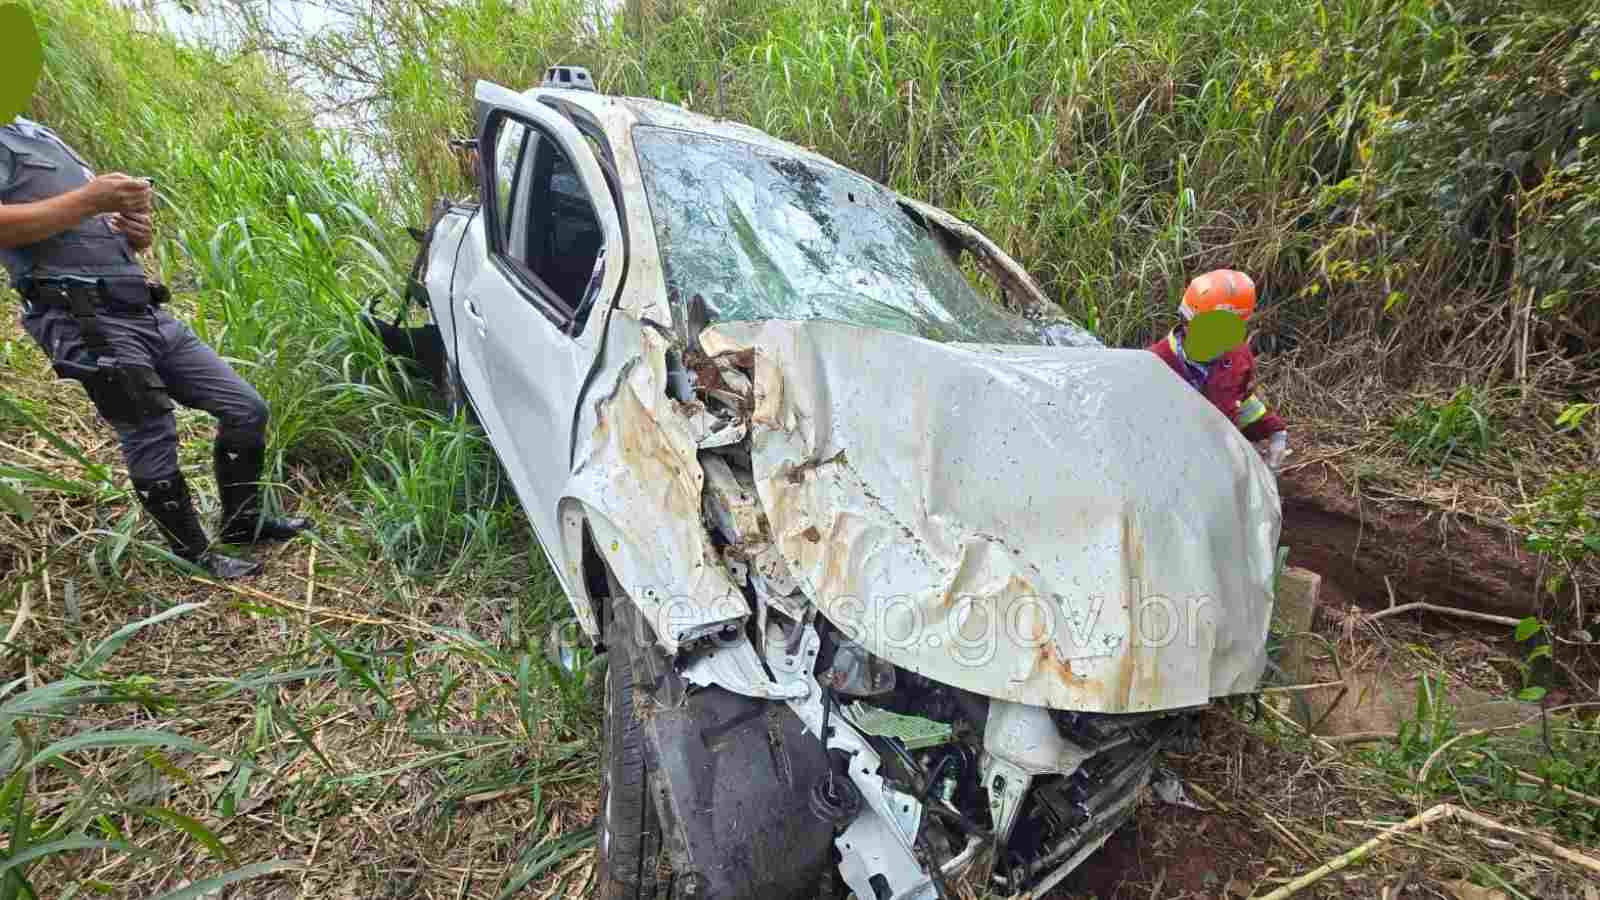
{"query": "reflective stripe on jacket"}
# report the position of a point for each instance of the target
(1227, 382)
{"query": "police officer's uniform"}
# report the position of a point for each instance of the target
(88, 304)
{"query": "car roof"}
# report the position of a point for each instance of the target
(645, 111)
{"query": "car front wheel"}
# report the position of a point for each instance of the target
(629, 833)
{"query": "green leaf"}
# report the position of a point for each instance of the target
(525, 694)
(1592, 541)
(1527, 628)
(1531, 694)
(256, 870)
(16, 501)
(122, 635)
(61, 846)
(95, 740)
(190, 826)
(1574, 414)
(1540, 652)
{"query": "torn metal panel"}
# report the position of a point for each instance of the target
(638, 474)
(1061, 527)
(730, 502)
(1025, 296)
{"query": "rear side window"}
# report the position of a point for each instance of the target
(508, 145)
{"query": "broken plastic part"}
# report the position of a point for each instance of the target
(1007, 786)
(1027, 738)
(731, 663)
(880, 844)
(915, 732)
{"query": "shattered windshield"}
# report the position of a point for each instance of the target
(758, 234)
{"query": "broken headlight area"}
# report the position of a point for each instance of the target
(1034, 792)
(915, 783)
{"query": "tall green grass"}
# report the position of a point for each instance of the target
(274, 242)
(87, 822)
(1370, 161)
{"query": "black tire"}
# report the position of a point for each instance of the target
(629, 832)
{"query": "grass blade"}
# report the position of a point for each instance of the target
(63, 845)
(190, 826)
(245, 873)
(112, 644)
(98, 740)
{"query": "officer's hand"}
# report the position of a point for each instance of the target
(137, 227)
(118, 193)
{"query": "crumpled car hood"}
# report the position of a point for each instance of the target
(1062, 527)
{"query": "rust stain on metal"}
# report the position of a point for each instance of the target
(655, 461)
(1055, 666)
(706, 372)
(744, 359)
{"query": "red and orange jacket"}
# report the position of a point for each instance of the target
(1226, 382)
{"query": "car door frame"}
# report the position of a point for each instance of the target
(494, 104)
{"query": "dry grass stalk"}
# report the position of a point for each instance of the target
(1438, 813)
(1445, 611)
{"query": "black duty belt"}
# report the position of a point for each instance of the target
(106, 296)
(124, 392)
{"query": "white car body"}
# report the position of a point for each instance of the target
(1052, 527)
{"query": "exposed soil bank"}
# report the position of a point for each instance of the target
(1427, 553)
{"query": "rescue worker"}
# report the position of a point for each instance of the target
(1225, 379)
(70, 240)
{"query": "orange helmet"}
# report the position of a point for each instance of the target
(1221, 289)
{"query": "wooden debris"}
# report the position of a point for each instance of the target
(1445, 611)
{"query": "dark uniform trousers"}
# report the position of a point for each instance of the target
(194, 374)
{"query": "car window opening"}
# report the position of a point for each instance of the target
(547, 227)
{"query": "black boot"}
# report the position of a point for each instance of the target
(239, 483)
(168, 501)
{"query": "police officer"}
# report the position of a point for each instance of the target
(70, 241)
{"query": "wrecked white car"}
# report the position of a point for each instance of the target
(898, 575)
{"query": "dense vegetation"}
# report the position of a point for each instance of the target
(123, 762)
(1370, 160)
(1416, 185)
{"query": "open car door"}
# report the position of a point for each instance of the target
(551, 251)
